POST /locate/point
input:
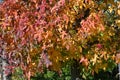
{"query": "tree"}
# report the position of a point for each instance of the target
(47, 33)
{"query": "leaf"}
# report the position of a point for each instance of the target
(80, 49)
(28, 28)
(117, 58)
(75, 8)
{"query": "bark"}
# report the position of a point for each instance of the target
(0, 68)
(4, 76)
(75, 71)
(119, 71)
(4, 63)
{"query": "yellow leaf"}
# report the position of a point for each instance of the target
(80, 49)
(118, 12)
(96, 69)
(118, 23)
(94, 59)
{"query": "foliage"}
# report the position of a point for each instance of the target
(46, 75)
(18, 74)
(47, 33)
(66, 74)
